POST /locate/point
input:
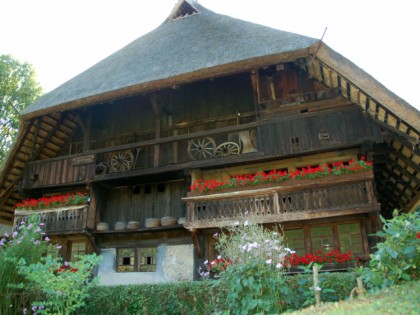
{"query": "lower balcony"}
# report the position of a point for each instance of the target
(291, 200)
(68, 220)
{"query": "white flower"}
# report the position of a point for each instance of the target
(246, 213)
(279, 266)
(315, 288)
(212, 263)
(206, 262)
(236, 223)
(219, 257)
(268, 261)
(246, 223)
(47, 239)
(289, 250)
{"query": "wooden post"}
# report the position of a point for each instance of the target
(157, 109)
(317, 291)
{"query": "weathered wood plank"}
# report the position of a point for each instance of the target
(286, 217)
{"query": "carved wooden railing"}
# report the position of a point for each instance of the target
(60, 220)
(287, 201)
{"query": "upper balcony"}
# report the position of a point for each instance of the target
(290, 200)
(68, 220)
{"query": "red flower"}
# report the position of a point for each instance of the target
(418, 235)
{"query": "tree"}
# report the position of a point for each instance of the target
(18, 89)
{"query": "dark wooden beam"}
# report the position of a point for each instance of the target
(196, 244)
(46, 139)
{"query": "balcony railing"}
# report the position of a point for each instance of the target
(287, 201)
(57, 221)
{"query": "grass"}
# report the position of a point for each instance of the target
(399, 299)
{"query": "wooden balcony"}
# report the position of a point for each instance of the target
(60, 171)
(67, 220)
(291, 200)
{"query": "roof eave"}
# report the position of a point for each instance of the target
(367, 83)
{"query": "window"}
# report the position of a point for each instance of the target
(295, 239)
(136, 259)
(77, 249)
(342, 236)
(350, 237)
(322, 238)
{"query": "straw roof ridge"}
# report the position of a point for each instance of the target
(175, 48)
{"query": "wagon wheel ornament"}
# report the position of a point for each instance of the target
(121, 161)
(199, 149)
(227, 149)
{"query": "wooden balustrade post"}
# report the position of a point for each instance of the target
(317, 290)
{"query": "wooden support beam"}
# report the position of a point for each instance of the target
(196, 243)
(49, 135)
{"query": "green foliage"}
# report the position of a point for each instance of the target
(200, 297)
(399, 299)
(334, 287)
(398, 256)
(255, 287)
(65, 287)
(27, 243)
(254, 281)
(18, 89)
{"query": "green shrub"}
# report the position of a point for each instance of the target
(199, 297)
(26, 242)
(64, 286)
(398, 256)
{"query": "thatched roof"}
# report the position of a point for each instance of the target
(181, 46)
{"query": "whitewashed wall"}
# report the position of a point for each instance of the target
(174, 263)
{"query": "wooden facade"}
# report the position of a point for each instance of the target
(136, 150)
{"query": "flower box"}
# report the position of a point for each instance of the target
(260, 180)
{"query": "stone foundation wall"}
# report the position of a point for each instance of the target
(174, 263)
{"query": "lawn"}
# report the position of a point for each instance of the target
(399, 299)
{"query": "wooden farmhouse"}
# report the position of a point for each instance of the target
(197, 101)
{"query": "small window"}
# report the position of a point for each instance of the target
(161, 187)
(323, 135)
(350, 238)
(78, 249)
(322, 238)
(136, 259)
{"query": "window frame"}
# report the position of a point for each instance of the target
(335, 235)
(137, 253)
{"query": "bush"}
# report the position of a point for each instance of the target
(65, 287)
(398, 256)
(26, 242)
(199, 297)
